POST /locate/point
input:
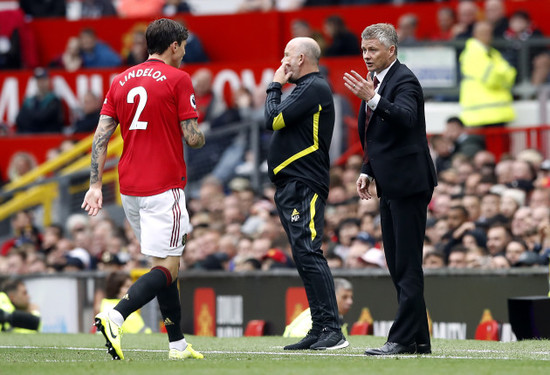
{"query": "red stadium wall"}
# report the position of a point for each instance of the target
(254, 37)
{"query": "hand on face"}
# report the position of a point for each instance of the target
(283, 74)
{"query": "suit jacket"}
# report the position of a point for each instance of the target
(399, 158)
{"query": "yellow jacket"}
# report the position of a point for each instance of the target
(134, 322)
(300, 326)
(7, 306)
(485, 88)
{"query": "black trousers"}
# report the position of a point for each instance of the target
(403, 224)
(302, 214)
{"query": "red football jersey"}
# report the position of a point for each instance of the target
(148, 101)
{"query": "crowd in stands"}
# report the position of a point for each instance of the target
(510, 32)
(484, 214)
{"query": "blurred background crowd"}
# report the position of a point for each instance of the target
(490, 211)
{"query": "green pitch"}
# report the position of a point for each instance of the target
(148, 354)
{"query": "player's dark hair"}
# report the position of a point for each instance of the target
(163, 32)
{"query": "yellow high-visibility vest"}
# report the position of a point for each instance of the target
(485, 88)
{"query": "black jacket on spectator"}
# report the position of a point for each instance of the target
(43, 8)
(40, 115)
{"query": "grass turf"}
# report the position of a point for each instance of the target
(148, 354)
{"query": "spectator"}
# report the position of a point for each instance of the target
(514, 250)
(88, 119)
(504, 171)
(540, 197)
(300, 326)
(484, 162)
(472, 203)
(139, 8)
(116, 287)
(194, 51)
(406, 29)
(20, 164)
(43, 112)
(301, 28)
(446, 19)
(209, 105)
(457, 257)
(52, 235)
(543, 175)
(489, 211)
(520, 31)
(70, 60)
(138, 50)
(510, 201)
(433, 259)
(348, 230)
(97, 9)
(17, 43)
(50, 8)
(344, 42)
(222, 156)
(487, 79)
(499, 262)
(95, 53)
(442, 148)
(498, 237)
(17, 314)
(495, 14)
(374, 258)
(173, 7)
(23, 231)
(458, 223)
(467, 15)
(464, 143)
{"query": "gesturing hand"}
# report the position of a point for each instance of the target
(363, 184)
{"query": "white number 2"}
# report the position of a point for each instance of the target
(142, 93)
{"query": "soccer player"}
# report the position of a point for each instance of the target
(154, 102)
(299, 167)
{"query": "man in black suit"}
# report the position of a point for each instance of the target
(392, 129)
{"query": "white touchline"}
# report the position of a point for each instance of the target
(322, 354)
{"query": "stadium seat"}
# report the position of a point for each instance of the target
(361, 328)
(255, 328)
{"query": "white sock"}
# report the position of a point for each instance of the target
(116, 317)
(179, 345)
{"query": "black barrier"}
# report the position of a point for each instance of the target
(221, 303)
(456, 299)
(530, 317)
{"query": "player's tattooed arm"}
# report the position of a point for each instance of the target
(194, 137)
(104, 131)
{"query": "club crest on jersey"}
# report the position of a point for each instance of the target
(295, 216)
(192, 100)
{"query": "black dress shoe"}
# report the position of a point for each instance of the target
(392, 348)
(424, 348)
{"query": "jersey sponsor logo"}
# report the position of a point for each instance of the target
(295, 216)
(193, 102)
